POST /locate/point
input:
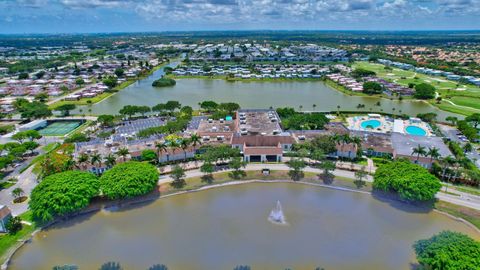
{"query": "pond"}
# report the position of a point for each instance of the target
(224, 227)
(253, 95)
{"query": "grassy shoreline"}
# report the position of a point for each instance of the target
(105, 95)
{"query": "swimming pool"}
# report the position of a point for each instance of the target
(416, 131)
(370, 124)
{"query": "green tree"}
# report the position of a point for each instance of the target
(410, 181)
(172, 105)
(110, 160)
(111, 266)
(237, 163)
(119, 72)
(65, 109)
(474, 119)
(419, 151)
(14, 225)
(128, 179)
(161, 147)
(41, 97)
(178, 175)
(163, 82)
(62, 193)
(123, 152)
(23, 76)
(110, 81)
(106, 120)
(296, 169)
(79, 81)
(372, 88)
(327, 167)
(448, 250)
(207, 169)
(18, 192)
(149, 155)
(359, 177)
(208, 105)
(452, 119)
(424, 91)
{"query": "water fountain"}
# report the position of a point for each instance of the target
(276, 215)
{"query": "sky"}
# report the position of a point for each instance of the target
(100, 16)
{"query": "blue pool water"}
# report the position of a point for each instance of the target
(416, 131)
(370, 124)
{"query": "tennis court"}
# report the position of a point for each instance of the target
(59, 128)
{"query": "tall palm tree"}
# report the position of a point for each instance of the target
(195, 140)
(174, 146)
(123, 152)
(447, 161)
(433, 153)
(96, 158)
(184, 144)
(161, 147)
(314, 106)
(110, 160)
(419, 151)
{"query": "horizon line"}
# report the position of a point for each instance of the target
(238, 30)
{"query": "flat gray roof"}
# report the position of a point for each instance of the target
(404, 144)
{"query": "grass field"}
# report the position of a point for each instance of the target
(465, 98)
(8, 242)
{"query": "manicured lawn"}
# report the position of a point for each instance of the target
(469, 214)
(460, 94)
(466, 101)
(8, 241)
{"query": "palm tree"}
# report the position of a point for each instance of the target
(110, 160)
(447, 161)
(419, 150)
(184, 144)
(161, 147)
(195, 140)
(123, 152)
(173, 145)
(300, 107)
(433, 153)
(96, 158)
(82, 159)
(314, 106)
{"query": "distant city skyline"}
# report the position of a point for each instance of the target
(94, 16)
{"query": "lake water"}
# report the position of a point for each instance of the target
(252, 95)
(225, 227)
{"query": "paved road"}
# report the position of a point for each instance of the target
(26, 181)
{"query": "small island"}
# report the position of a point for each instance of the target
(162, 82)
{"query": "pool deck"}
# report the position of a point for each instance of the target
(388, 125)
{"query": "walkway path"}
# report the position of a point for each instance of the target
(27, 180)
(463, 199)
